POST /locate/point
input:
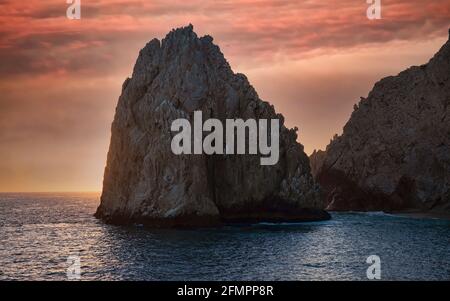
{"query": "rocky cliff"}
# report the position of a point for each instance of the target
(145, 182)
(394, 153)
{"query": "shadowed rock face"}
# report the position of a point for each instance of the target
(394, 153)
(145, 182)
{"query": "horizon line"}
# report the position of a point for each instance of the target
(73, 191)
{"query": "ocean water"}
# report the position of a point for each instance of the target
(39, 231)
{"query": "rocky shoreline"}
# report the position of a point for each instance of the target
(300, 216)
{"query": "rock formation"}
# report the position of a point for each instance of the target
(144, 182)
(394, 153)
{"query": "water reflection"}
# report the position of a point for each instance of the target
(38, 232)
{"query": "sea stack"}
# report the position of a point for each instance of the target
(394, 153)
(145, 182)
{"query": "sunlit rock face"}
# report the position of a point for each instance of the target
(145, 182)
(394, 153)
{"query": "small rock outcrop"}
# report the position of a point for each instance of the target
(394, 153)
(144, 182)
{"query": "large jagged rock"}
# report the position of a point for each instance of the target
(394, 153)
(145, 182)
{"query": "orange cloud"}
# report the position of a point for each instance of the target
(60, 78)
(248, 29)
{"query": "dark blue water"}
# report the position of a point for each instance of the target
(39, 231)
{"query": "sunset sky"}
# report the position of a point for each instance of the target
(61, 78)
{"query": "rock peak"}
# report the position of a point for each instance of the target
(146, 182)
(181, 31)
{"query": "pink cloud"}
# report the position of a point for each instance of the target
(60, 78)
(256, 29)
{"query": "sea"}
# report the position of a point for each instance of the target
(54, 236)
